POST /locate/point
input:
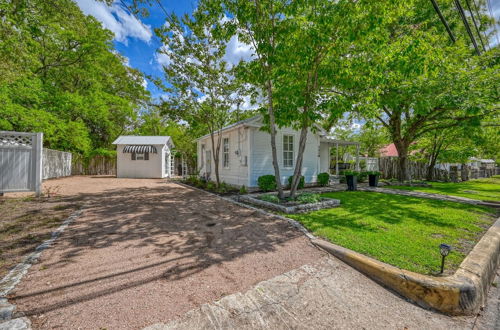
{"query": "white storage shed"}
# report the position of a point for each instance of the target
(144, 156)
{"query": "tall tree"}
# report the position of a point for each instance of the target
(59, 74)
(408, 75)
(203, 88)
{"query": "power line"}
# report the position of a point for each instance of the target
(467, 26)
(475, 24)
(443, 20)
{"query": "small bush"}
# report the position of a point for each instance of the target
(243, 190)
(323, 179)
(362, 176)
(267, 182)
(270, 198)
(223, 188)
(308, 198)
(211, 186)
(301, 182)
(373, 173)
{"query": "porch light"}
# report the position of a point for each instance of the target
(444, 249)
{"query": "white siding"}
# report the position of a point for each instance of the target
(324, 151)
(237, 172)
(261, 155)
(152, 168)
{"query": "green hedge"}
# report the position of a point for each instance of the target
(301, 182)
(323, 179)
(267, 182)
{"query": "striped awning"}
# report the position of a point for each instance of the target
(139, 149)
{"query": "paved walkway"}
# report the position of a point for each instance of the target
(324, 295)
(422, 195)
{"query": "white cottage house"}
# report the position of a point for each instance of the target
(245, 153)
(144, 156)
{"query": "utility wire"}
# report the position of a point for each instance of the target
(475, 24)
(443, 20)
(467, 26)
(490, 8)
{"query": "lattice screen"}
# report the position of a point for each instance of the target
(13, 140)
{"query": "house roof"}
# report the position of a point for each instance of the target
(142, 140)
(389, 151)
(248, 122)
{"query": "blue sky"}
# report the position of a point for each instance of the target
(135, 39)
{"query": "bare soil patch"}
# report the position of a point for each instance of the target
(25, 222)
(147, 251)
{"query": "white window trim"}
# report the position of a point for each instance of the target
(224, 153)
(140, 154)
(283, 150)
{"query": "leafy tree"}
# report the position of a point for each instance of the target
(203, 91)
(59, 74)
(407, 75)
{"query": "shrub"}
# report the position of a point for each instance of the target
(307, 198)
(243, 190)
(211, 185)
(223, 188)
(373, 173)
(267, 182)
(362, 176)
(193, 179)
(301, 182)
(270, 198)
(323, 179)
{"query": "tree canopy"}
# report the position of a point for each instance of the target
(59, 74)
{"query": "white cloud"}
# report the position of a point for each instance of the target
(117, 20)
(237, 51)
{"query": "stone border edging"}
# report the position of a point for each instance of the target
(326, 203)
(462, 293)
(9, 282)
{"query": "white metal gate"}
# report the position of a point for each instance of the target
(20, 162)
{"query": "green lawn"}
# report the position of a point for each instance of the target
(400, 230)
(483, 189)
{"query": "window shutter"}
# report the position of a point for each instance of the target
(146, 156)
(133, 156)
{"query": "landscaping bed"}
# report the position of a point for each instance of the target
(400, 230)
(27, 222)
(487, 189)
(223, 189)
(305, 202)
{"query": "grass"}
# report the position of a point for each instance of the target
(482, 189)
(400, 230)
(25, 223)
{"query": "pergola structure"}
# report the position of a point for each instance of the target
(336, 143)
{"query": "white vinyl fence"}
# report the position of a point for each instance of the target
(20, 162)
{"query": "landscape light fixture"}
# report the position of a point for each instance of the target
(444, 249)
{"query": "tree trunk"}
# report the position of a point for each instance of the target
(430, 169)
(215, 156)
(298, 165)
(402, 147)
(272, 124)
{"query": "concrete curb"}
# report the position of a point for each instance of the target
(463, 293)
(9, 282)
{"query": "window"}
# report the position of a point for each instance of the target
(225, 152)
(287, 150)
(140, 156)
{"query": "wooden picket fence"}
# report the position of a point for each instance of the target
(97, 165)
(389, 166)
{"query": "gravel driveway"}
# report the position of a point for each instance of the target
(146, 251)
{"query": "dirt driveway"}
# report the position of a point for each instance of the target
(146, 251)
